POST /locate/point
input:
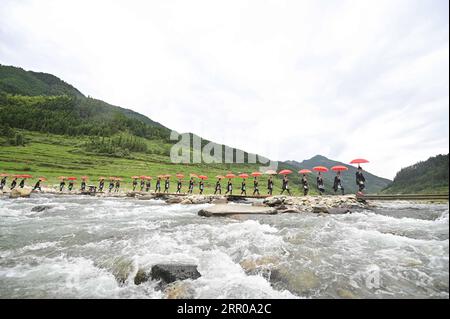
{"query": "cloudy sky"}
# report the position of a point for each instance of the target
(285, 79)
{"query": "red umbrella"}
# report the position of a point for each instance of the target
(256, 174)
(118, 179)
(320, 169)
(43, 179)
(84, 177)
(71, 178)
(339, 168)
(167, 175)
(271, 172)
(62, 177)
(304, 171)
(193, 175)
(148, 177)
(136, 177)
(220, 176)
(243, 175)
(203, 176)
(26, 176)
(230, 175)
(285, 172)
(179, 176)
(359, 161)
(4, 175)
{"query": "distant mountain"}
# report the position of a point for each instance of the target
(430, 176)
(374, 184)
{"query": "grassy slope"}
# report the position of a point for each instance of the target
(53, 155)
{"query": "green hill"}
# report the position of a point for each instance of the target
(49, 128)
(428, 177)
(374, 184)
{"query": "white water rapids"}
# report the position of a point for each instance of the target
(81, 246)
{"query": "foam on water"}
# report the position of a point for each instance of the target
(82, 247)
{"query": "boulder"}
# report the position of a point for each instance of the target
(146, 197)
(141, 277)
(169, 273)
(186, 201)
(219, 201)
(235, 209)
(19, 192)
(179, 290)
(338, 210)
(274, 201)
(320, 209)
(174, 200)
(40, 208)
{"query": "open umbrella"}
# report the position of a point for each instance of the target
(271, 172)
(148, 177)
(4, 175)
(179, 176)
(256, 174)
(220, 176)
(71, 178)
(101, 178)
(136, 177)
(339, 168)
(167, 175)
(230, 175)
(26, 176)
(193, 175)
(243, 175)
(202, 176)
(42, 179)
(320, 169)
(84, 177)
(111, 178)
(304, 171)
(118, 179)
(285, 172)
(359, 161)
(62, 177)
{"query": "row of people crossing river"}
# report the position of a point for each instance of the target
(162, 182)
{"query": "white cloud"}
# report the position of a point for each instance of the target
(287, 79)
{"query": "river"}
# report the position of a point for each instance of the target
(84, 247)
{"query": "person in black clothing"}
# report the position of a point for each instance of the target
(70, 185)
(179, 185)
(142, 184)
(148, 185)
(101, 185)
(229, 188)
(158, 185)
(111, 185)
(167, 185)
(285, 185)
(37, 186)
(22, 183)
(201, 186)
(243, 188)
(255, 186)
(134, 184)
(360, 179)
(191, 185)
(338, 183)
(83, 185)
(320, 185)
(304, 182)
(3, 182)
(218, 187)
(270, 186)
(62, 184)
(116, 189)
(13, 183)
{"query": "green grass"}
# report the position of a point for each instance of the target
(51, 156)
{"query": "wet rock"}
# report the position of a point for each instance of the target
(179, 290)
(320, 209)
(121, 269)
(199, 200)
(20, 192)
(339, 210)
(274, 201)
(290, 211)
(141, 277)
(40, 208)
(251, 264)
(234, 209)
(186, 201)
(169, 273)
(174, 200)
(219, 201)
(146, 197)
(302, 283)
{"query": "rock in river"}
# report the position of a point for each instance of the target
(235, 209)
(173, 272)
(16, 193)
(40, 208)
